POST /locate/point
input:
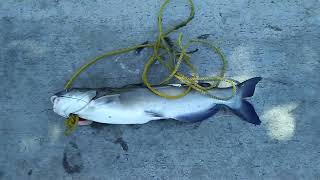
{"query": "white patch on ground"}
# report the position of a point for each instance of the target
(241, 78)
(309, 63)
(117, 59)
(124, 67)
(280, 121)
(242, 66)
(34, 48)
(55, 133)
(28, 144)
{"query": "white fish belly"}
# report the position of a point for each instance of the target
(114, 113)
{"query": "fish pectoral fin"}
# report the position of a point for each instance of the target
(155, 115)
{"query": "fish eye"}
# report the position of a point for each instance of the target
(53, 98)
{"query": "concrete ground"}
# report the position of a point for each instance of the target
(43, 42)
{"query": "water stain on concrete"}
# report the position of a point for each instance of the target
(199, 173)
(98, 126)
(30, 172)
(204, 36)
(1, 174)
(72, 161)
(74, 145)
(123, 144)
(197, 125)
(275, 28)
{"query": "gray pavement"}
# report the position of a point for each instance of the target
(43, 42)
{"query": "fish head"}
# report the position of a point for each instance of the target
(71, 101)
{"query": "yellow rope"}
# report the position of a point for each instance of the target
(160, 49)
(93, 61)
(71, 123)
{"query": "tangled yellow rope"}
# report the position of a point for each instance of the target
(176, 58)
(71, 124)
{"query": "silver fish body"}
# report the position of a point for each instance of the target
(138, 105)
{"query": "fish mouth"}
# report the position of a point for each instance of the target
(65, 103)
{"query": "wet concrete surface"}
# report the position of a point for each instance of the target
(42, 44)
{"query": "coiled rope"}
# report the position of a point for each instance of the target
(177, 55)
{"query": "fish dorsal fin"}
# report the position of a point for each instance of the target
(141, 85)
(133, 85)
(203, 84)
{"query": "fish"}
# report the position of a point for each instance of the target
(136, 104)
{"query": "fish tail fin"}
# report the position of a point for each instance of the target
(246, 88)
(245, 110)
